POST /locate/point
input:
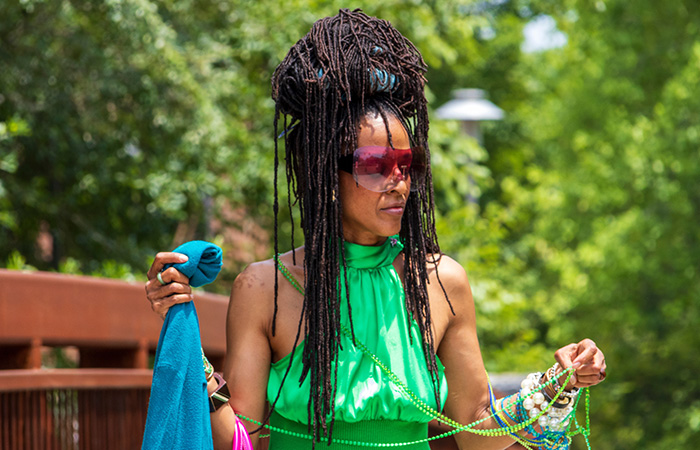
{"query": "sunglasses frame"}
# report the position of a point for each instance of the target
(414, 174)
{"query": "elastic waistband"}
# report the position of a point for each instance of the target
(349, 435)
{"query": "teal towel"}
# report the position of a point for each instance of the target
(178, 410)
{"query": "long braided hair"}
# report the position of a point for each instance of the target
(344, 67)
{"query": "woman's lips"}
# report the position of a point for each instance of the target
(396, 210)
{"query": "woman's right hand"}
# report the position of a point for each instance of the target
(176, 288)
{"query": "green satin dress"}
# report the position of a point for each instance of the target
(369, 407)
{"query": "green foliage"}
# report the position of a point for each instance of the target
(602, 217)
(59, 358)
(134, 124)
(17, 262)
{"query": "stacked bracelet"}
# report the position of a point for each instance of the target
(220, 396)
(553, 409)
(208, 368)
(566, 398)
(533, 400)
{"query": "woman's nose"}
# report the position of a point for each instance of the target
(400, 180)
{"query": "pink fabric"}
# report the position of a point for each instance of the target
(241, 440)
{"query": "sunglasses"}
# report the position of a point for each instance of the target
(380, 169)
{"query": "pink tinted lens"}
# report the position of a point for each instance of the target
(374, 167)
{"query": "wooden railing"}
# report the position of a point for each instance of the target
(111, 332)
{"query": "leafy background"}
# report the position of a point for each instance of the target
(130, 126)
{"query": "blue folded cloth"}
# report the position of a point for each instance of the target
(178, 410)
(204, 262)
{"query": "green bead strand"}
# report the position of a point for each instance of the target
(346, 441)
(433, 414)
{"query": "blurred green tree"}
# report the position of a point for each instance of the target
(132, 125)
(600, 223)
(128, 131)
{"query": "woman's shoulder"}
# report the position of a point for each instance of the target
(259, 277)
(448, 270)
(447, 276)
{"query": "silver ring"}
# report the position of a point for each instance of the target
(160, 278)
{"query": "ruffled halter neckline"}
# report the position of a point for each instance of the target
(372, 256)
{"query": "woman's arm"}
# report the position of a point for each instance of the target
(468, 395)
(248, 354)
(468, 398)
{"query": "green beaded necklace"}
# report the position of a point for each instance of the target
(430, 411)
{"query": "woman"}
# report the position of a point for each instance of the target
(345, 337)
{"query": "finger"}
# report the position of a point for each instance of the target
(587, 380)
(171, 289)
(591, 380)
(564, 355)
(588, 370)
(595, 367)
(600, 359)
(157, 294)
(172, 275)
(594, 370)
(162, 259)
(162, 306)
(587, 350)
(154, 288)
(602, 373)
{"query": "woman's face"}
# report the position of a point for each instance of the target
(370, 217)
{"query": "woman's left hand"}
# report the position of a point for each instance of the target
(587, 360)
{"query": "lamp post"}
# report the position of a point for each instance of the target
(471, 107)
